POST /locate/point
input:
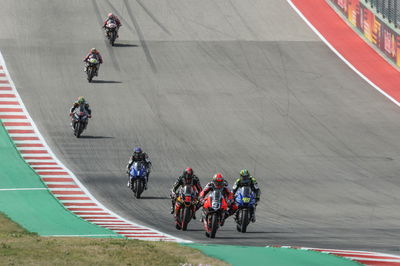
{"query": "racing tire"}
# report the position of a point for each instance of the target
(187, 215)
(214, 225)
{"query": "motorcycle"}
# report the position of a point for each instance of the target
(111, 31)
(185, 207)
(214, 209)
(80, 120)
(91, 68)
(245, 200)
(138, 176)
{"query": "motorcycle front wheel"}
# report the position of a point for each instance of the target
(214, 225)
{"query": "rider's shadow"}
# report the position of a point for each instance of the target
(105, 81)
(155, 197)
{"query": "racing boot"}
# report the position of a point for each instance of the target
(172, 207)
(226, 215)
(253, 216)
(194, 216)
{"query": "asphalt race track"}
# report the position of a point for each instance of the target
(218, 85)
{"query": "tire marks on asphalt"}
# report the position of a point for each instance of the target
(141, 37)
(109, 49)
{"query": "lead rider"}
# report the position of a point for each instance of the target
(219, 183)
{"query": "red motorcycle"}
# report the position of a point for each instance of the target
(214, 209)
(185, 207)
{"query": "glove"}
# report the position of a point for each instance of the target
(201, 201)
(90, 116)
(70, 114)
(172, 195)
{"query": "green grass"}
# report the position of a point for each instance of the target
(19, 247)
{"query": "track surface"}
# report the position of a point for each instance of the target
(218, 86)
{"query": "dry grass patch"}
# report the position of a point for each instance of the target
(19, 247)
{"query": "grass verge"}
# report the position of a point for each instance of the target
(19, 247)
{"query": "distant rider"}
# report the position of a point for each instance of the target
(139, 156)
(112, 17)
(94, 54)
(247, 180)
(219, 183)
(187, 178)
(80, 101)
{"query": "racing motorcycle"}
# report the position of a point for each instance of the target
(111, 31)
(138, 175)
(214, 209)
(80, 119)
(245, 200)
(185, 207)
(91, 68)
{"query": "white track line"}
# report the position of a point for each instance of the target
(18, 189)
(63, 193)
(340, 56)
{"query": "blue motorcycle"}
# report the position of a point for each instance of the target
(245, 200)
(138, 175)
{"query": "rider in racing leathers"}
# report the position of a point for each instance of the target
(187, 178)
(247, 180)
(80, 101)
(218, 182)
(112, 17)
(94, 53)
(139, 156)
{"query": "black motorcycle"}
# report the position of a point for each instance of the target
(80, 120)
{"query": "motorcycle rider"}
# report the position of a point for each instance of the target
(139, 156)
(187, 178)
(112, 17)
(80, 101)
(246, 179)
(218, 182)
(94, 53)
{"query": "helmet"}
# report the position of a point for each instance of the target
(110, 15)
(218, 180)
(81, 100)
(188, 171)
(244, 176)
(188, 175)
(137, 150)
(93, 50)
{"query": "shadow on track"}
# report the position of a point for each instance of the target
(155, 197)
(105, 81)
(125, 45)
(95, 137)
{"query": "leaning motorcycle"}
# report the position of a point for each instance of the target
(111, 31)
(91, 68)
(185, 207)
(245, 200)
(138, 176)
(80, 120)
(214, 209)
